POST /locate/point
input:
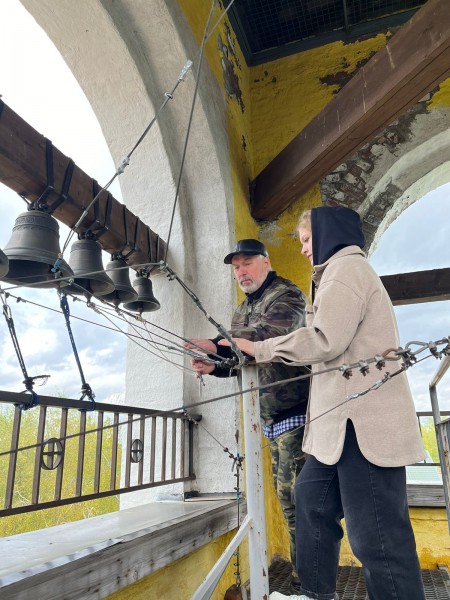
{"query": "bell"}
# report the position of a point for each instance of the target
(86, 262)
(146, 301)
(4, 264)
(119, 274)
(33, 250)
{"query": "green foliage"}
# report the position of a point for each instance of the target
(429, 438)
(25, 470)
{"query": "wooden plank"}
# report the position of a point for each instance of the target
(417, 287)
(412, 63)
(122, 564)
(23, 168)
(425, 495)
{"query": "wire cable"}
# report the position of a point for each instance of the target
(344, 369)
(188, 131)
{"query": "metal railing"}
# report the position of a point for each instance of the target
(442, 431)
(427, 415)
(58, 452)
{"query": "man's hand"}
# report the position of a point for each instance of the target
(200, 344)
(201, 367)
(245, 345)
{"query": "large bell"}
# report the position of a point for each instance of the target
(33, 250)
(119, 274)
(4, 264)
(86, 262)
(146, 301)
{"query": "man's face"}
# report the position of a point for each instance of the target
(250, 271)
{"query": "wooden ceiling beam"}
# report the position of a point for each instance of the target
(414, 61)
(25, 158)
(417, 287)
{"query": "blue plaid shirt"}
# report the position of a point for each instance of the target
(276, 429)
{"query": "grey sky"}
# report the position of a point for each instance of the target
(418, 240)
(61, 112)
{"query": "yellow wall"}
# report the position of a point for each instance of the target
(273, 103)
(432, 539)
(180, 580)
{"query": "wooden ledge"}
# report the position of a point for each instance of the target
(96, 557)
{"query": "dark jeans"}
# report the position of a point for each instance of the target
(287, 460)
(373, 500)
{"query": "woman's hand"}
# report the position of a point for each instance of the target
(245, 345)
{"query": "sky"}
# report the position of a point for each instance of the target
(36, 83)
(417, 240)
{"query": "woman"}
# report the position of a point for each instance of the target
(358, 448)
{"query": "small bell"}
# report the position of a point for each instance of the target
(146, 301)
(90, 278)
(119, 274)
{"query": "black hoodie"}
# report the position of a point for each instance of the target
(334, 228)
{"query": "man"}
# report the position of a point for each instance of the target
(273, 306)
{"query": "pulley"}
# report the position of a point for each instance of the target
(146, 301)
(86, 263)
(33, 250)
(119, 274)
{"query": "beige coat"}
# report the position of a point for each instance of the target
(351, 319)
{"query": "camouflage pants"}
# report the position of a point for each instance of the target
(287, 462)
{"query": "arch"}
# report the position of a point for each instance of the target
(429, 181)
(375, 181)
(125, 56)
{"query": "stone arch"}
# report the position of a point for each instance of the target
(418, 179)
(125, 56)
(407, 160)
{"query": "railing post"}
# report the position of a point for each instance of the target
(254, 489)
(442, 432)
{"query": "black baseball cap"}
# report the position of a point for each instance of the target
(252, 247)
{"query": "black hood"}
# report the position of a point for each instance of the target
(334, 228)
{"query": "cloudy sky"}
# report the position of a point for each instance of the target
(36, 83)
(417, 240)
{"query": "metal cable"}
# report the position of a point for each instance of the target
(188, 131)
(344, 369)
(86, 390)
(167, 97)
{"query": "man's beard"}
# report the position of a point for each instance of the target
(250, 287)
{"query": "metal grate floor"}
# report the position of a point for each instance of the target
(350, 583)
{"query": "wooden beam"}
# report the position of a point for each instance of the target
(413, 62)
(25, 158)
(421, 286)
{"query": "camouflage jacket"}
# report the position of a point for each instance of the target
(276, 308)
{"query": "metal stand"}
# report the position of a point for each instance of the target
(442, 432)
(254, 524)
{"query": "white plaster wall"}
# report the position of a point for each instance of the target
(125, 55)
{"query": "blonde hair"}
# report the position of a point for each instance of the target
(305, 220)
